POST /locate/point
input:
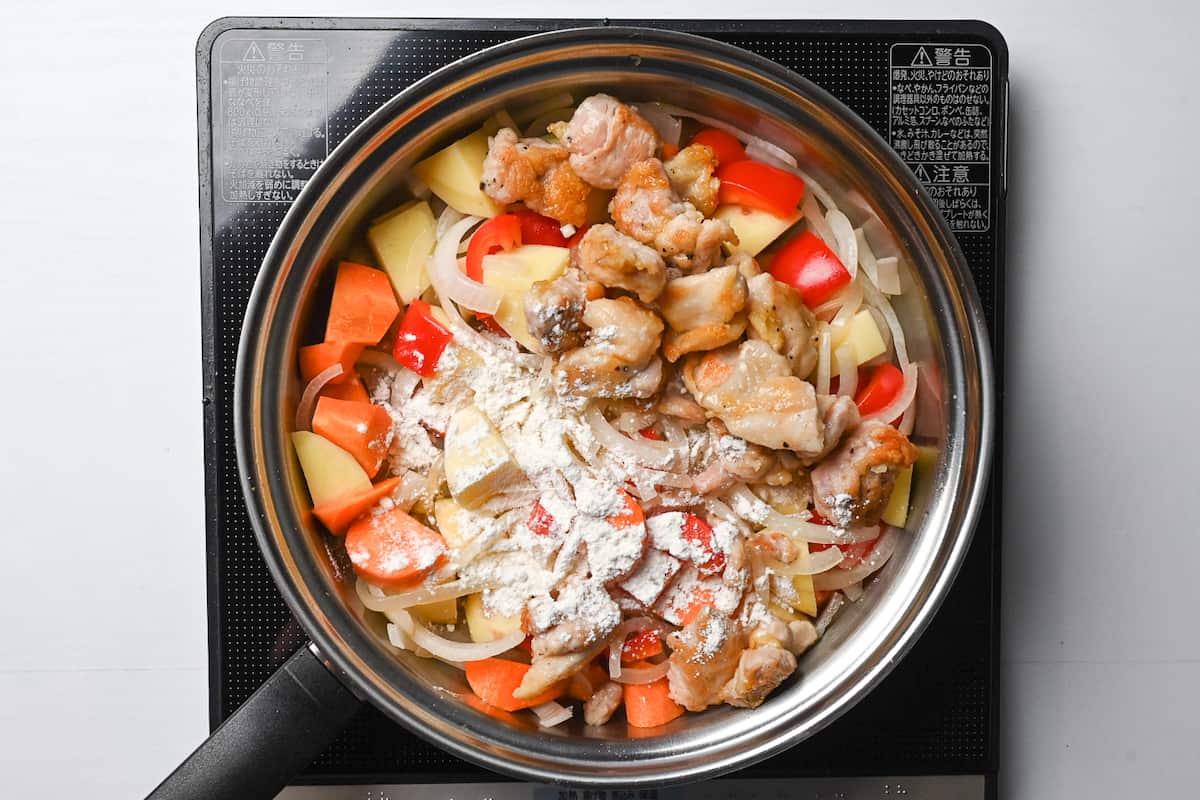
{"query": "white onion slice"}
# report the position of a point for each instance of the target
(404, 383)
(552, 713)
(816, 222)
(640, 675)
(447, 218)
(647, 452)
(841, 578)
(412, 486)
(853, 592)
(847, 243)
(450, 281)
(829, 612)
(903, 400)
(760, 146)
(909, 420)
(377, 359)
(876, 298)
(815, 563)
(390, 603)
(678, 442)
(669, 128)
(852, 299)
(823, 359)
(463, 651)
(889, 275)
(615, 645)
(308, 399)
(866, 258)
(847, 371)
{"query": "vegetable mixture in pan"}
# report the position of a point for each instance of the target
(615, 412)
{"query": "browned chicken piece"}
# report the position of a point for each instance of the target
(773, 544)
(704, 656)
(745, 263)
(804, 635)
(536, 173)
(554, 311)
(752, 390)
(838, 414)
(619, 358)
(692, 173)
(738, 461)
(558, 627)
(779, 317)
(621, 262)
(605, 138)
(759, 672)
(647, 209)
(852, 485)
(546, 671)
(703, 311)
(603, 703)
(683, 408)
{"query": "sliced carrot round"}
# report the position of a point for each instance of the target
(392, 549)
(494, 680)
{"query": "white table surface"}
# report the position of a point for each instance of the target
(102, 660)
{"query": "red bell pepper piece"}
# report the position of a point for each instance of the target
(499, 233)
(641, 645)
(697, 531)
(807, 264)
(759, 185)
(724, 145)
(540, 520)
(537, 229)
(421, 339)
(651, 433)
(881, 388)
(577, 236)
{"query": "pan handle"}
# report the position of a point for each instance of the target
(271, 737)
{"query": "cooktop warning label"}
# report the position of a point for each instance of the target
(940, 122)
(272, 117)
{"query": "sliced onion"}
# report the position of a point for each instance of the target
(678, 441)
(852, 298)
(758, 576)
(841, 578)
(523, 115)
(847, 242)
(829, 612)
(866, 258)
(903, 400)
(552, 713)
(617, 643)
(640, 675)
(676, 480)
(377, 359)
(814, 564)
(452, 650)
(823, 337)
(889, 275)
(450, 281)
(308, 399)
(445, 220)
(750, 508)
(541, 124)
(847, 371)
(412, 486)
(875, 298)
(816, 221)
(647, 452)
(390, 603)
(761, 146)
(404, 383)
(669, 128)
(853, 592)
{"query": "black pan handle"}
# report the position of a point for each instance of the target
(270, 738)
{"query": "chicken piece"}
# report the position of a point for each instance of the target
(677, 345)
(745, 263)
(704, 656)
(554, 311)
(647, 209)
(753, 391)
(759, 672)
(557, 625)
(603, 703)
(605, 138)
(790, 499)
(546, 671)
(619, 358)
(838, 414)
(779, 317)
(702, 311)
(772, 544)
(692, 173)
(620, 262)
(537, 173)
(852, 485)
(683, 408)
(804, 635)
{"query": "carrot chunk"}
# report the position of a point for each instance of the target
(316, 358)
(352, 389)
(363, 305)
(392, 549)
(649, 705)
(361, 429)
(494, 680)
(338, 514)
